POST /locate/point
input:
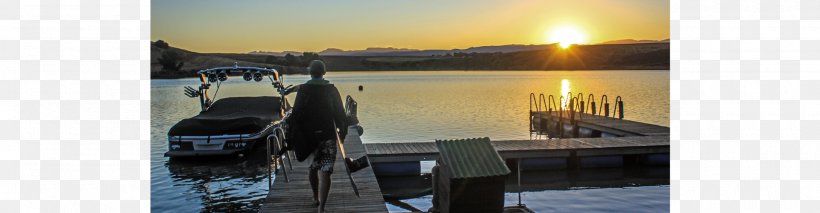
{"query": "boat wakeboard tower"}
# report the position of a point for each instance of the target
(219, 74)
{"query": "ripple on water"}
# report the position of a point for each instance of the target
(400, 107)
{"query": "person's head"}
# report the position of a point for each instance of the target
(317, 69)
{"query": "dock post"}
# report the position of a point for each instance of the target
(518, 170)
(573, 167)
(572, 110)
(561, 117)
(592, 104)
(582, 107)
(572, 122)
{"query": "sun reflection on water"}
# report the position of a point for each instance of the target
(564, 90)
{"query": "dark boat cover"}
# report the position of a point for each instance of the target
(233, 115)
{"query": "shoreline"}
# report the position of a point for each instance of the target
(183, 75)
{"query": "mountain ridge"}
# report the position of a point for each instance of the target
(392, 51)
(637, 56)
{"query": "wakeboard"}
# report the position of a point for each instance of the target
(347, 167)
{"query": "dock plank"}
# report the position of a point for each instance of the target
(296, 196)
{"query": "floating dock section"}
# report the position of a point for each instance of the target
(589, 141)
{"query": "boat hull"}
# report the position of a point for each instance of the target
(192, 146)
(230, 126)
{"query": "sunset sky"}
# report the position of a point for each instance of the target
(267, 25)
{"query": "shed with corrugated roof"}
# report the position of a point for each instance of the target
(469, 176)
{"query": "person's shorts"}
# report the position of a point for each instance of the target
(324, 156)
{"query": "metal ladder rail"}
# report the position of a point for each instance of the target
(568, 100)
(574, 107)
(592, 103)
(542, 104)
(580, 105)
(280, 134)
(272, 139)
(580, 97)
(532, 100)
(560, 125)
(571, 108)
(605, 108)
(619, 108)
(551, 105)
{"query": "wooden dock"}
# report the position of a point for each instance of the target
(632, 138)
(616, 126)
(635, 138)
(581, 147)
(296, 195)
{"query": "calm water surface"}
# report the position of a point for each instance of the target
(411, 107)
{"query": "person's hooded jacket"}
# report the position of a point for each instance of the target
(317, 107)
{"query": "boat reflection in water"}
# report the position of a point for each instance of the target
(414, 193)
(223, 184)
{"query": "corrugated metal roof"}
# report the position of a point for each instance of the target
(471, 158)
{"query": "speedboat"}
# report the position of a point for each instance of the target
(231, 125)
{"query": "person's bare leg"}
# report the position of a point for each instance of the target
(324, 189)
(313, 176)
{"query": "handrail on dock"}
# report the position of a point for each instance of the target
(561, 107)
(575, 106)
(619, 107)
(605, 108)
(280, 134)
(532, 99)
(537, 110)
(570, 108)
(580, 97)
(568, 99)
(572, 104)
(275, 140)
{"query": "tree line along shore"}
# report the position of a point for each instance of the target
(171, 62)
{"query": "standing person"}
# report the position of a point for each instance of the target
(317, 107)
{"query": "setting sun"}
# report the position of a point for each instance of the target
(566, 36)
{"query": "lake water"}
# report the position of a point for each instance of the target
(415, 106)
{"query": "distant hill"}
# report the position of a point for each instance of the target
(633, 41)
(372, 51)
(630, 56)
(390, 51)
(193, 62)
(641, 56)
